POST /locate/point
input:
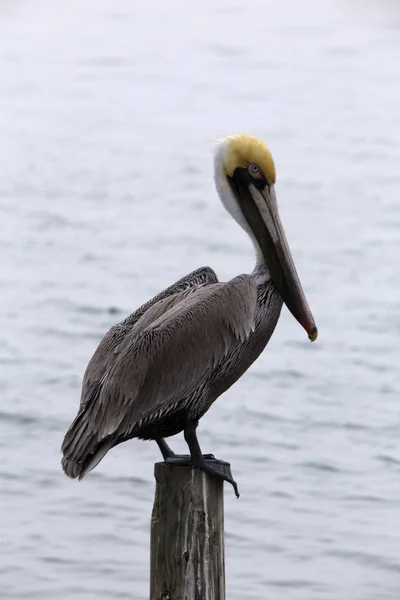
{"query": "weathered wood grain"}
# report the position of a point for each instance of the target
(187, 535)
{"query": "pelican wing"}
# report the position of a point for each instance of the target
(166, 356)
(171, 351)
(106, 352)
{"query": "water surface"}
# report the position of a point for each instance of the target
(108, 115)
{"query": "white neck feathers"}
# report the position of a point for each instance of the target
(231, 204)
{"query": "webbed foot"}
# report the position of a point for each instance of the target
(208, 464)
(185, 460)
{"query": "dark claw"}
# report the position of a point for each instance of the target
(221, 469)
(213, 466)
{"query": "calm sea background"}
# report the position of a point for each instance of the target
(108, 113)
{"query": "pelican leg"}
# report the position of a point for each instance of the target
(165, 449)
(213, 466)
(170, 454)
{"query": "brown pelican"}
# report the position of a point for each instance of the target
(156, 373)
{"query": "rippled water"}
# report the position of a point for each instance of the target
(108, 113)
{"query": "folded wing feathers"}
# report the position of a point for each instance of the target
(109, 347)
(166, 355)
(172, 355)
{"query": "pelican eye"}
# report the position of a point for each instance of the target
(254, 169)
(256, 176)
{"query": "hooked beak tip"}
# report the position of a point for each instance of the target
(312, 336)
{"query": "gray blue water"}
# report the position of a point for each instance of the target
(108, 115)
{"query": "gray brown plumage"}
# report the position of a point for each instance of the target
(157, 372)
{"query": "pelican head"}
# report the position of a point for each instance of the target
(245, 179)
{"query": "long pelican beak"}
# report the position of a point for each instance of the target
(259, 207)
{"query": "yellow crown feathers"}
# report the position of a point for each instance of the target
(244, 149)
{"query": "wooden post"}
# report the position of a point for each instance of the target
(187, 535)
